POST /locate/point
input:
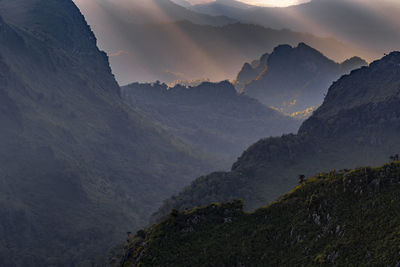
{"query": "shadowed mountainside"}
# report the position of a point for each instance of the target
(212, 117)
(293, 80)
(77, 165)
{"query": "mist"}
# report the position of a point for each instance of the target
(148, 40)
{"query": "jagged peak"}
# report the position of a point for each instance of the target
(378, 82)
(355, 59)
(282, 48)
(247, 67)
(391, 59)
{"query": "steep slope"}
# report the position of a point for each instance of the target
(251, 71)
(344, 20)
(295, 79)
(358, 124)
(212, 116)
(77, 165)
(185, 50)
(334, 219)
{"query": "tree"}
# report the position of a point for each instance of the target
(395, 157)
(302, 178)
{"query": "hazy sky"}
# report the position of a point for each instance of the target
(274, 2)
(260, 2)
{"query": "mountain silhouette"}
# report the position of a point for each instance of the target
(293, 79)
(357, 125)
(78, 166)
(168, 45)
(344, 20)
(212, 117)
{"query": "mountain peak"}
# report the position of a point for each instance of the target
(390, 60)
(369, 85)
(282, 48)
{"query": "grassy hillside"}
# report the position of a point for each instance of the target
(340, 218)
(77, 165)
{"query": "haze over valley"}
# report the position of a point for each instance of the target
(193, 133)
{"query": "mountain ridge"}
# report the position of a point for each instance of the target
(293, 79)
(136, 54)
(75, 159)
(362, 135)
(333, 218)
(344, 20)
(212, 117)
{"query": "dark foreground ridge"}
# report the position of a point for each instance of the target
(338, 218)
(77, 165)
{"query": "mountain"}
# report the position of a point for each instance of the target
(144, 12)
(344, 20)
(358, 124)
(218, 7)
(188, 49)
(183, 3)
(334, 219)
(293, 80)
(77, 165)
(251, 71)
(212, 117)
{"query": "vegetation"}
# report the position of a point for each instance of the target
(212, 117)
(78, 167)
(357, 125)
(340, 218)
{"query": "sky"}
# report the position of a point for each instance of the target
(276, 3)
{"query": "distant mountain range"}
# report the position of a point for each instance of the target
(78, 166)
(339, 218)
(145, 12)
(177, 45)
(344, 20)
(212, 117)
(357, 124)
(293, 80)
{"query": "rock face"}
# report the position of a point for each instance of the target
(77, 165)
(358, 124)
(294, 79)
(251, 72)
(212, 117)
(336, 218)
